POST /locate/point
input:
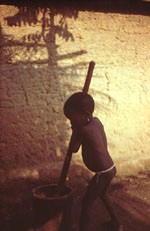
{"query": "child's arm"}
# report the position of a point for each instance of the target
(73, 147)
(75, 141)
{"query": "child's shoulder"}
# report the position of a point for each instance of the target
(96, 120)
(92, 125)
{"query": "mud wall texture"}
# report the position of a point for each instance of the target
(45, 54)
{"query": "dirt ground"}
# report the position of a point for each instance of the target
(131, 199)
(130, 195)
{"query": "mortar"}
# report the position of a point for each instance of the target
(52, 211)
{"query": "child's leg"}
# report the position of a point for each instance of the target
(110, 209)
(89, 197)
(105, 180)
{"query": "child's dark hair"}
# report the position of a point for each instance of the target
(79, 102)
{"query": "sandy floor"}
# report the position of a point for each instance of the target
(130, 196)
(132, 203)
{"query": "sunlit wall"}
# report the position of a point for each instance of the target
(44, 59)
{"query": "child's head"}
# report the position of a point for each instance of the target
(79, 107)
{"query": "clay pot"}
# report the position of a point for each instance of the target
(52, 210)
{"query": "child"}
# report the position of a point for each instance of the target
(89, 132)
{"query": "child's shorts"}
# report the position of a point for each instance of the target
(104, 171)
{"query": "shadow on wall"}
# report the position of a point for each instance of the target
(35, 54)
(32, 103)
(33, 60)
(30, 15)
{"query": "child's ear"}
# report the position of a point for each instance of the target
(88, 114)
